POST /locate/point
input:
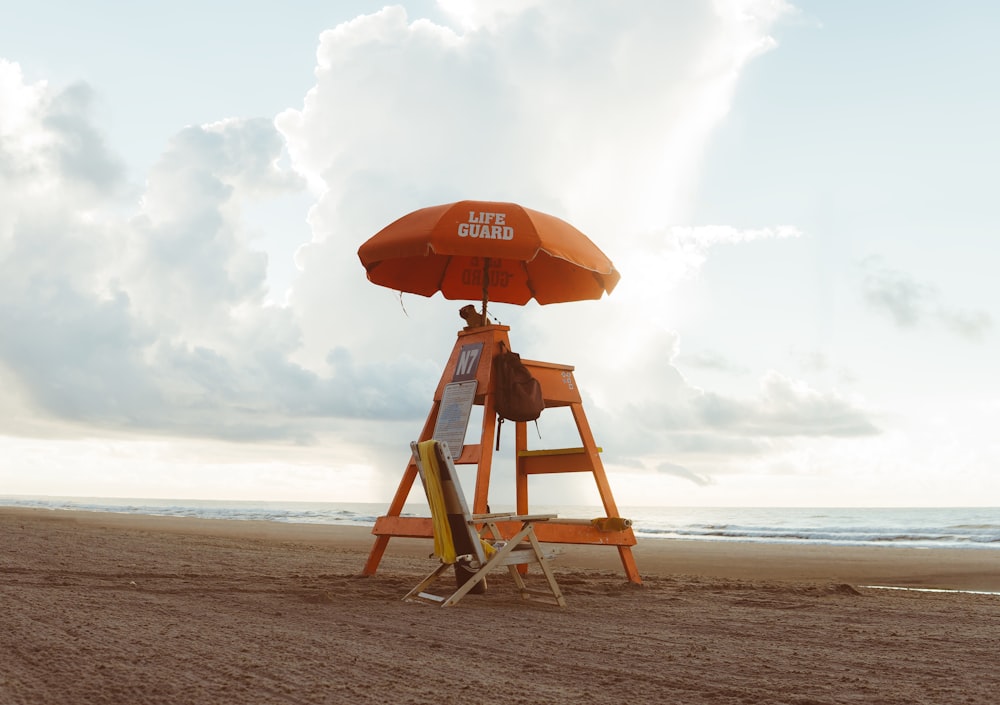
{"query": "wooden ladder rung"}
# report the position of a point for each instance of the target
(553, 451)
(536, 462)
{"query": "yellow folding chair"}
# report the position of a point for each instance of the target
(474, 552)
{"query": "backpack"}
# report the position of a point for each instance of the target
(518, 394)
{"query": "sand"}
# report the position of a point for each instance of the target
(106, 608)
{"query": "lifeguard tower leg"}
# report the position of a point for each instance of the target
(395, 509)
(603, 487)
(521, 478)
(402, 492)
(480, 500)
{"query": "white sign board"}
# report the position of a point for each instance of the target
(453, 416)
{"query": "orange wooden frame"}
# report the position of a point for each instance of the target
(559, 390)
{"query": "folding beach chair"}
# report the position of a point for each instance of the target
(474, 553)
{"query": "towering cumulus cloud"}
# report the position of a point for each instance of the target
(600, 116)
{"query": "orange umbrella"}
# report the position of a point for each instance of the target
(489, 250)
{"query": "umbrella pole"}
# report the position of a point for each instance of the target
(486, 286)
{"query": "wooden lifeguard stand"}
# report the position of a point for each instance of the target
(469, 372)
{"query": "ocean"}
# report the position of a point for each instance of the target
(974, 528)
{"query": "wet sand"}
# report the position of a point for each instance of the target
(114, 608)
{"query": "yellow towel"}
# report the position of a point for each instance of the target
(444, 544)
(488, 548)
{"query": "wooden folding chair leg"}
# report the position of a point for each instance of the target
(543, 564)
(495, 560)
(527, 533)
(462, 574)
(418, 593)
(467, 587)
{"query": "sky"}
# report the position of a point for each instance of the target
(798, 196)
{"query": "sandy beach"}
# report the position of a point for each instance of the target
(116, 608)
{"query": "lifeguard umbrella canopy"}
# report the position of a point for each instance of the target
(521, 253)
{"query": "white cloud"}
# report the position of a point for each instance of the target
(707, 435)
(910, 302)
(684, 473)
(903, 298)
(550, 104)
(790, 407)
(972, 325)
(156, 319)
